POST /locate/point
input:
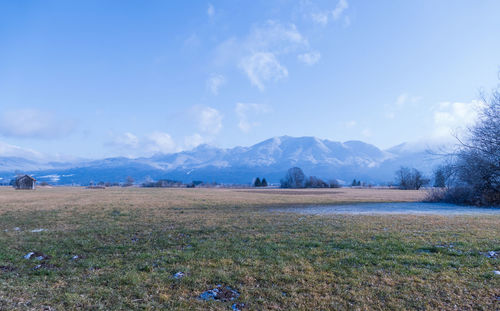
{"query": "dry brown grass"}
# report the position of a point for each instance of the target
(64, 197)
(134, 239)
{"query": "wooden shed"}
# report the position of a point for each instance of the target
(25, 182)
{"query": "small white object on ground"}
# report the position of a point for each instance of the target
(38, 230)
(496, 272)
(17, 229)
(220, 293)
(28, 255)
(179, 275)
(238, 306)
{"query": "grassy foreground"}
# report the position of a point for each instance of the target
(131, 242)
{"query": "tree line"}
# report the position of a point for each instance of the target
(295, 178)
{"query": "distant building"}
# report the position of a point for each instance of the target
(25, 182)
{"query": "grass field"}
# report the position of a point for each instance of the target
(131, 241)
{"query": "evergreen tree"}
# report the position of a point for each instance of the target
(257, 182)
(354, 183)
(264, 183)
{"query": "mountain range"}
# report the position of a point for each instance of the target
(271, 158)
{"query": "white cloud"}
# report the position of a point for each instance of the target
(133, 146)
(8, 150)
(347, 21)
(309, 58)
(402, 101)
(367, 132)
(258, 54)
(390, 115)
(452, 118)
(210, 10)
(126, 140)
(228, 52)
(209, 119)
(263, 46)
(342, 5)
(32, 123)
(262, 67)
(320, 18)
(214, 82)
(275, 37)
(159, 142)
(350, 124)
(193, 41)
(247, 111)
(194, 140)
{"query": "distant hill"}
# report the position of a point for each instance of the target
(270, 158)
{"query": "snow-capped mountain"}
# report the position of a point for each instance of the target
(270, 158)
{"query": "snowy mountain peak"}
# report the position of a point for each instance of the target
(270, 158)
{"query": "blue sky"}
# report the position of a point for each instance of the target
(134, 78)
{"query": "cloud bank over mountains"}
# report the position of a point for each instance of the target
(34, 123)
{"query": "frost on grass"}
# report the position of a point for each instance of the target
(238, 306)
(220, 293)
(36, 255)
(491, 254)
(28, 255)
(38, 230)
(44, 265)
(179, 275)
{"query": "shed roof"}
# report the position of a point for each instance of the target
(26, 176)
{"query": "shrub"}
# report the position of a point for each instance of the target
(333, 183)
(315, 182)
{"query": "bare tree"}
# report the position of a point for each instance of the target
(315, 182)
(440, 177)
(333, 183)
(419, 180)
(403, 178)
(294, 178)
(410, 179)
(477, 165)
(129, 182)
